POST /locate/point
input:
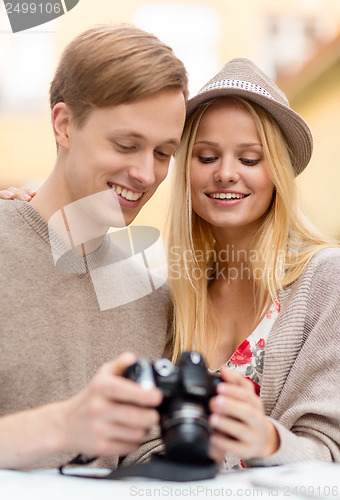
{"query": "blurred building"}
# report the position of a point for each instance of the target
(295, 41)
(315, 93)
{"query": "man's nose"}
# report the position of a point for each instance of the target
(143, 170)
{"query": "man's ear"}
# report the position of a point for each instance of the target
(61, 122)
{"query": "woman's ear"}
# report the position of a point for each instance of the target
(61, 121)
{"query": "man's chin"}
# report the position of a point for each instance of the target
(129, 218)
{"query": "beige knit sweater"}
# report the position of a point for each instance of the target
(53, 334)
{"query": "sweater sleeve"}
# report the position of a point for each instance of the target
(307, 412)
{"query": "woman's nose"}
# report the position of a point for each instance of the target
(227, 171)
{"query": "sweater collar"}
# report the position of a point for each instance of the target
(64, 258)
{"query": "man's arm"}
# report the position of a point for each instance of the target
(110, 416)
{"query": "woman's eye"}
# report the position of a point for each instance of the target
(249, 162)
(207, 159)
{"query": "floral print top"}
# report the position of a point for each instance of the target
(248, 360)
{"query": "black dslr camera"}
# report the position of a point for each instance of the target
(187, 388)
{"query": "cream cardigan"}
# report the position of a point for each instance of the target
(301, 378)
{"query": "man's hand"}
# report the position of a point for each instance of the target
(111, 416)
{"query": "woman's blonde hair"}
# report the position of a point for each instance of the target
(110, 65)
(281, 248)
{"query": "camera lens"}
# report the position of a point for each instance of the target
(186, 431)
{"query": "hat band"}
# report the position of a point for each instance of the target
(238, 84)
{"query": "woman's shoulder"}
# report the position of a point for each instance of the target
(321, 274)
(327, 259)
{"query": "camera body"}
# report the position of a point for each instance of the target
(187, 388)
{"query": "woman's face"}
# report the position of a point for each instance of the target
(230, 183)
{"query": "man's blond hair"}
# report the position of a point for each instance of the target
(110, 65)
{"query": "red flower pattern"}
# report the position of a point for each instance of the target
(257, 387)
(277, 307)
(260, 343)
(242, 355)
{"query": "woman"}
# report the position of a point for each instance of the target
(254, 285)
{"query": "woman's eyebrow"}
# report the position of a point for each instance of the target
(250, 144)
(208, 143)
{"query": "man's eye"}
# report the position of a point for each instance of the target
(124, 147)
(249, 162)
(162, 155)
(207, 159)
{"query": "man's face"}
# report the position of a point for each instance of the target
(123, 150)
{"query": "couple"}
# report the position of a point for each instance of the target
(266, 316)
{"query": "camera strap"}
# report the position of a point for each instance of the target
(159, 467)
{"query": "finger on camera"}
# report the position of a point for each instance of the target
(234, 377)
(122, 390)
(234, 427)
(245, 394)
(135, 416)
(119, 366)
(121, 432)
(221, 406)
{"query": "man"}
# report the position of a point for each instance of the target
(118, 109)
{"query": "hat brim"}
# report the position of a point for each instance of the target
(294, 128)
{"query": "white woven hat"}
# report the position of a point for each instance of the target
(241, 77)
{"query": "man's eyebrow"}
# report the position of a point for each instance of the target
(136, 135)
(173, 142)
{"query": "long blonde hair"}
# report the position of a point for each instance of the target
(282, 246)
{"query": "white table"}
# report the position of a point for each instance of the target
(297, 481)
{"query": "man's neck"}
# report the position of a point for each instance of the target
(75, 226)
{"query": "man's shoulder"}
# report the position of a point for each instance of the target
(6, 206)
(13, 225)
(7, 212)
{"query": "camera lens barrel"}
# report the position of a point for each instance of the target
(187, 388)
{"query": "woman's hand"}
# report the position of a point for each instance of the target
(23, 193)
(239, 422)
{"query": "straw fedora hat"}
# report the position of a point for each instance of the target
(241, 77)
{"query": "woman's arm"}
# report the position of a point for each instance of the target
(307, 411)
(305, 418)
